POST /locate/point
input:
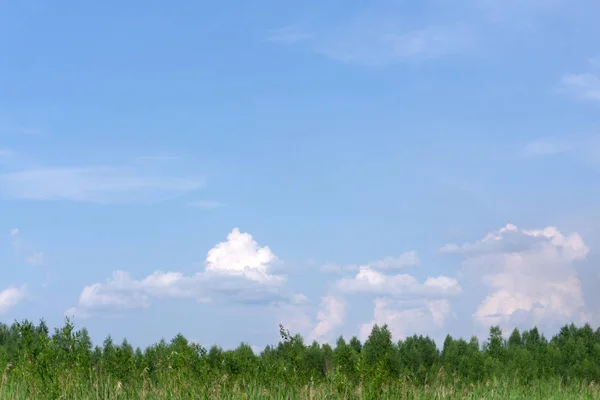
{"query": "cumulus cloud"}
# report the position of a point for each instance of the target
(330, 317)
(530, 273)
(367, 280)
(10, 297)
(240, 255)
(236, 270)
(406, 318)
(402, 301)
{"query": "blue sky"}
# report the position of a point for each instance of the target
(215, 169)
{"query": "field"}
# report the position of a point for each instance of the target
(221, 389)
(65, 365)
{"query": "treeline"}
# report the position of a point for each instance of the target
(54, 362)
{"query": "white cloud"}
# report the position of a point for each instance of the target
(10, 297)
(585, 85)
(236, 270)
(401, 301)
(406, 318)
(240, 255)
(329, 318)
(367, 280)
(103, 184)
(14, 231)
(530, 274)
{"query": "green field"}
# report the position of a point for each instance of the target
(222, 389)
(66, 365)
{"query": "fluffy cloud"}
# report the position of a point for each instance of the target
(531, 275)
(240, 255)
(406, 318)
(367, 280)
(236, 270)
(403, 302)
(330, 317)
(10, 297)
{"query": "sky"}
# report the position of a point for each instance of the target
(217, 168)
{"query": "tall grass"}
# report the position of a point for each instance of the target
(140, 387)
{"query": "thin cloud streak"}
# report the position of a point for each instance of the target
(206, 204)
(104, 184)
(378, 39)
(288, 35)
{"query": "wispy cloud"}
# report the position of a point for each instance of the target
(36, 258)
(9, 127)
(373, 44)
(378, 39)
(95, 184)
(503, 10)
(288, 34)
(579, 149)
(407, 259)
(25, 250)
(584, 85)
(206, 204)
(156, 159)
(548, 147)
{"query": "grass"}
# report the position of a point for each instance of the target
(222, 388)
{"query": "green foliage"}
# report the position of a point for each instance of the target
(526, 365)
